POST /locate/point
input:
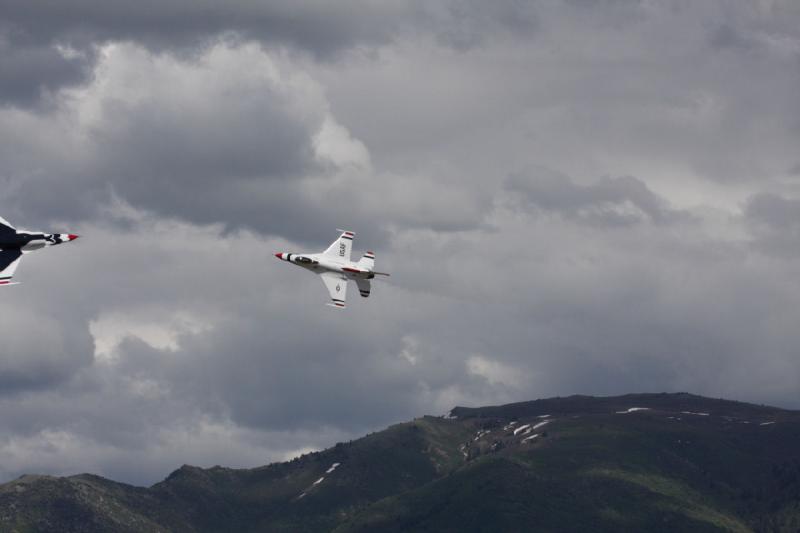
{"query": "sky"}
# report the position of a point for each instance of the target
(572, 196)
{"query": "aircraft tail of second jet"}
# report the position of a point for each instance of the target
(6, 228)
(9, 260)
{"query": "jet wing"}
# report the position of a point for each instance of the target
(337, 287)
(9, 261)
(341, 247)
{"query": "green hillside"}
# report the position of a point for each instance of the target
(655, 462)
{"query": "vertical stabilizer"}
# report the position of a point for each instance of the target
(341, 247)
(9, 261)
(364, 287)
(6, 228)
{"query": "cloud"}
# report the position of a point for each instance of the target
(44, 29)
(494, 372)
(220, 137)
(316, 26)
(237, 135)
(43, 355)
(322, 30)
(774, 212)
(609, 202)
(774, 223)
(31, 73)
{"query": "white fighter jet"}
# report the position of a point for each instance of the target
(335, 268)
(14, 243)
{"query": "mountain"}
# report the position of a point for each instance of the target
(656, 462)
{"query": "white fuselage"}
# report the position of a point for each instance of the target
(318, 263)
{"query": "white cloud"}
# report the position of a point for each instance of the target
(410, 351)
(335, 144)
(495, 372)
(159, 329)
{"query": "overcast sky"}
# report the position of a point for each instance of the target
(572, 196)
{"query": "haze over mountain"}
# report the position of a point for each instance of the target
(640, 462)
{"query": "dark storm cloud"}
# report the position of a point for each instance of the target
(236, 385)
(237, 136)
(319, 27)
(35, 358)
(774, 222)
(150, 146)
(30, 71)
(608, 202)
(32, 32)
(467, 24)
(193, 139)
(729, 37)
(774, 211)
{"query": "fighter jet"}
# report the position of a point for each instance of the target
(335, 268)
(14, 243)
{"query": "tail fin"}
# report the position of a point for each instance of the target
(340, 248)
(9, 261)
(6, 228)
(367, 262)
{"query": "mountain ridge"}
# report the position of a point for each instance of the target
(665, 462)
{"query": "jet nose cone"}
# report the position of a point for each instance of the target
(72, 237)
(279, 255)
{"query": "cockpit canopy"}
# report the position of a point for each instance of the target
(304, 260)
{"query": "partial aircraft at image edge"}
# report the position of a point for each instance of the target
(335, 268)
(14, 243)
